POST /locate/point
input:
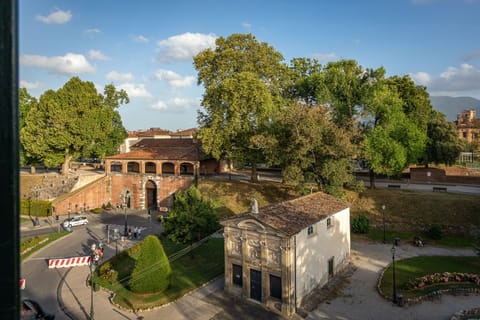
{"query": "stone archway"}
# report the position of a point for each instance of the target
(151, 195)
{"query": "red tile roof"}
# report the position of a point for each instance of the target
(292, 216)
(164, 149)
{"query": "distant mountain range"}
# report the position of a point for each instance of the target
(451, 106)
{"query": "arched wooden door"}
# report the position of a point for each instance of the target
(151, 193)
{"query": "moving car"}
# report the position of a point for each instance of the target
(75, 221)
(30, 310)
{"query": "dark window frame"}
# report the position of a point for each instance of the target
(237, 275)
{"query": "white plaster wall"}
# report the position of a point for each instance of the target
(314, 251)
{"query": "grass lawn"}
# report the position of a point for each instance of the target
(409, 269)
(190, 271)
(30, 245)
(405, 208)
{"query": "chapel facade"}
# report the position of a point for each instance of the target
(278, 254)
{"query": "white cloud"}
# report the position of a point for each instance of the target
(120, 77)
(325, 57)
(97, 55)
(57, 17)
(464, 80)
(174, 79)
(135, 90)
(140, 39)
(71, 63)
(246, 25)
(176, 104)
(92, 31)
(184, 46)
(421, 78)
(29, 85)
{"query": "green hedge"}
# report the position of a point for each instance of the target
(29, 207)
(152, 271)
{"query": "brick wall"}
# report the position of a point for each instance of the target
(91, 196)
(112, 189)
(439, 175)
(135, 184)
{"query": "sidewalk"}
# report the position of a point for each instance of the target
(360, 300)
(74, 297)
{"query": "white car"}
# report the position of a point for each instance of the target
(75, 221)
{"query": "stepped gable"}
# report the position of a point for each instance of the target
(164, 149)
(292, 216)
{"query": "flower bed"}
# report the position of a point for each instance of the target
(439, 278)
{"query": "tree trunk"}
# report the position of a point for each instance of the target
(372, 179)
(66, 165)
(254, 172)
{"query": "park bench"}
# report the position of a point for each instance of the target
(440, 189)
(394, 186)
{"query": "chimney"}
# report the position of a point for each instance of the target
(254, 208)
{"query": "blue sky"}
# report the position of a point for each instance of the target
(146, 47)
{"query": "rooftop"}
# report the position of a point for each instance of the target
(292, 216)
(164, 149)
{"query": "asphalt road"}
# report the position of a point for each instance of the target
(41, 282)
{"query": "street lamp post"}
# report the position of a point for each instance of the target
(36, 190)
(69, 209)
(394, 296)
(124, 199)
(384, 237)
(92, 268)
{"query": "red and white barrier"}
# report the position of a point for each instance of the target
(69, 262)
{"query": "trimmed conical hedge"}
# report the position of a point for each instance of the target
(152, 270)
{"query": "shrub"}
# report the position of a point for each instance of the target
(435, 232)
(152, 271)
(360, 224)
(107, 273)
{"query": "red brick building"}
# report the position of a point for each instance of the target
(149, 175)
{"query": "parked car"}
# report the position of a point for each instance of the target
(30, 310)
(75, 221)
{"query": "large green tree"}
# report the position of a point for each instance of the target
(243, 81)
(416, 103)
(26, 102)
(443, 144)
(190, 218)
(392, 140)
(309, 147)
(73, 121)
(345, 85)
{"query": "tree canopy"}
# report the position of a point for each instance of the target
(243, 89)
(309, 147)
(26, 102)
(73, 121)
(190, 218)
(392, 140)
(309, 119)
(443, 144)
